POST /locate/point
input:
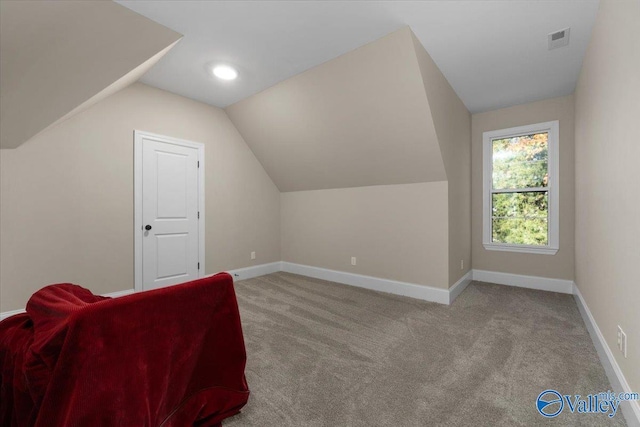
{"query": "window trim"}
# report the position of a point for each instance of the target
(553, 142)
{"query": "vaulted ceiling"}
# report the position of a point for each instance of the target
(61, 56)
(493, 53)
(320, 103)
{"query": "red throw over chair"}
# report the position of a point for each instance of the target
(171, 357)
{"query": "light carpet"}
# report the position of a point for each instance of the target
(326, 354)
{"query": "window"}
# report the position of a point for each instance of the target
(520, 197)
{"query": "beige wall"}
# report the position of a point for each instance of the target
(452, 123)
(358, 120)
(67, 195)
(397, 232)
(345, 124)
(560, 265)
(607, 179)
(57, 55)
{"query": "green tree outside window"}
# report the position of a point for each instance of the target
(520, 196)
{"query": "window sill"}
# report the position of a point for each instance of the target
(543, 250)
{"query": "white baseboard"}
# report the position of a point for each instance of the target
(255, 271)
(6, 314)
(116, 294)
(521, 281)
(460, 286)
(630, 409)
(119, 293)
(423, 292)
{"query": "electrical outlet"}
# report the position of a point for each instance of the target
(353, 260)
(461, 264)
(253, 255)
(619, 337)
(622, 341)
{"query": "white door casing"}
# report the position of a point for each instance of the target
(169, 211)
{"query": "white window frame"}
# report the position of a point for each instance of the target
(552, 128)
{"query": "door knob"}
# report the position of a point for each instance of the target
(147, 227)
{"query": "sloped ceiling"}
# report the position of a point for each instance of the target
(360, 119)
(494, 53)
(56, 56)
(448, 112)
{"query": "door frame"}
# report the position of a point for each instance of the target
(138, 137)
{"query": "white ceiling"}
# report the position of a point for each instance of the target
(494, 53)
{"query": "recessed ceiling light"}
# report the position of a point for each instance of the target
(225, 72)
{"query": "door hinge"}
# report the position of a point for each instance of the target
(198, 215)
(198, 164)
(198, 266)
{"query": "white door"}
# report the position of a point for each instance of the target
(169, 227)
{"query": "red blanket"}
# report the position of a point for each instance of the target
(171, 357)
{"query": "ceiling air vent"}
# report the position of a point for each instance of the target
(559, 38)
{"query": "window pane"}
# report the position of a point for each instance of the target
(521, 162)
(520, 218)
